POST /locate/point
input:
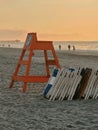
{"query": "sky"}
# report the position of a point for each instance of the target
(58, 20)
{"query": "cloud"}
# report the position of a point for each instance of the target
(66, 36)
(60, 35)
(7, 34)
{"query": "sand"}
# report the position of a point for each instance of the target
(30, 110)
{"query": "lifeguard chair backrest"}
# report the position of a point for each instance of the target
(33, 44)
(31, 38)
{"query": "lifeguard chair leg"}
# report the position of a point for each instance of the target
(25, 87)
(28, 70)
(11, 84)
(56, 59)
(17, 68)
(46, 62)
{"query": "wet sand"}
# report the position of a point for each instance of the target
(30, 110)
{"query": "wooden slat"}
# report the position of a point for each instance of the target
(24, 62)
(31, 78)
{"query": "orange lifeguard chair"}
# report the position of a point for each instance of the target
(30, 45)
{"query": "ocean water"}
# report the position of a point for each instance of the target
(79, 45)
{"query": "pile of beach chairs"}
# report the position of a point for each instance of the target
(72, 83)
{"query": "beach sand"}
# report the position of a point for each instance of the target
(30, 110)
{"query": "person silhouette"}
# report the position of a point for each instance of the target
(73, 48)
(69, 47)
(59, 47)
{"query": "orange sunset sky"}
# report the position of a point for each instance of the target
(51, 19)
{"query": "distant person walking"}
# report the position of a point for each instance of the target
(59, 47)
(69, 47)
(74, 48)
